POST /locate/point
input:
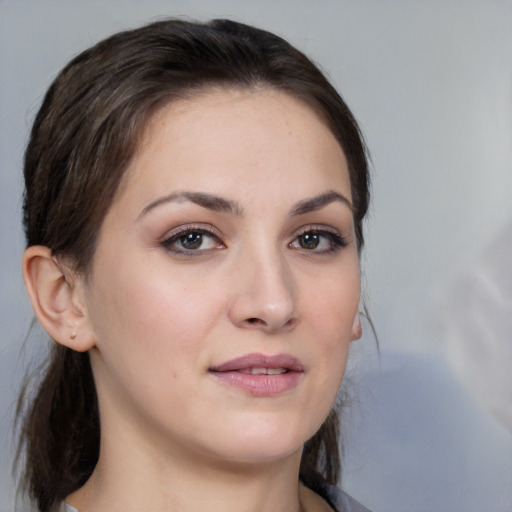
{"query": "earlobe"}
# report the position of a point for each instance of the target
(55, 294)
(357, 330)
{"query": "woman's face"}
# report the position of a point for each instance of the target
(225, 285)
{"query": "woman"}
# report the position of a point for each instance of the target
(193, 211)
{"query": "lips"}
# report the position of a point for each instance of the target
(260, 375)
(284, 361)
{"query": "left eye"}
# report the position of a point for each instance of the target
(318, 241)
(192, 241)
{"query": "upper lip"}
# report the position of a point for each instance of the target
(244, 362)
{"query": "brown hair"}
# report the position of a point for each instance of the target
(82, 140)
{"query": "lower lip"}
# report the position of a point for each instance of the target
(260, 385)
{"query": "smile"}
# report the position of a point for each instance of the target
(260, 375)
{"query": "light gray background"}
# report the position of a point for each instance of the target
(430, 425)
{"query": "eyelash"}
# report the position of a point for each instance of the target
(182, 232)
(335, 240)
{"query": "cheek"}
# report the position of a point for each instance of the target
(153, 311)
(331, 307)
(332, 303)
(152, 330)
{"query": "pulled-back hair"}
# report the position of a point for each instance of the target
(83, 139)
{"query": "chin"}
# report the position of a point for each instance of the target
(262, 445)
(259, 454)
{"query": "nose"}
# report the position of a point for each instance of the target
(264, 296)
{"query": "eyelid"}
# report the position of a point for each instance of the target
(337, 240)
(196, 227)
(174, 234)
(317, 228)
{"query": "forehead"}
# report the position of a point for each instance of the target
(244, 136)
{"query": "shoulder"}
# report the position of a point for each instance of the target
(340, 501)
(64, 507)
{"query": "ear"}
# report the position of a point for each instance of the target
(357, 330)
(56, 294)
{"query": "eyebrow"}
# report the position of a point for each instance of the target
(318, 202)
(220, 204)
(209, 201)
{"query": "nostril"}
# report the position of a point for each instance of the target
(255, 321)
(259, 323)
(291, 323)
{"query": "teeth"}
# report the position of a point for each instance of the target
(275, 371)
(264, 371)
(258, 371)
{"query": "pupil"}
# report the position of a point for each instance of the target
(192, 240)
(309, 241)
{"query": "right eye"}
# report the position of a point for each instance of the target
(192, 241)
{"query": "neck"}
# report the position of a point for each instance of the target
(129, 477)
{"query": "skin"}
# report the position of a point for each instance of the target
(156, 318)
